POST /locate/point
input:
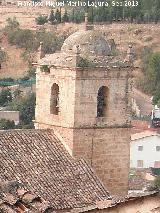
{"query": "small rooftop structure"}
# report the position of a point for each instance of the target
(92, 46)
(91, 43)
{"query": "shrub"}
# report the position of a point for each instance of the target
(31, 73)
(30, 40)
(22, 39)
(51, 42)
(7, 124)
(5, 97)
(12, 24)
(41, 20)
(45, 68)
(157, 182)
(7, 79)
(3, 56)
(84, 62)
(26, 107)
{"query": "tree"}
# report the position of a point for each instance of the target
(58, 16)
(154, 68)
(6, 124)
(65, 17)
(41, 20)
(26, 107)
(76, 16)
(145, 55)
(22, 38)
(52, 17)
(5, 97)
(150, 83)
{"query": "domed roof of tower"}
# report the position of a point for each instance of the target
(90, 42)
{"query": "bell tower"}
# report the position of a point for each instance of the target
(82, 93)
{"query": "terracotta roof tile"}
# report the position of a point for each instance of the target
(144, 134)
(38, 158)
(138, 181)
(116, 201)
(11, 201)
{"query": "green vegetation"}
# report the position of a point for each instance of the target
(31, 73)
(6, 124)
(7, 79)
(144, 11)
(58, 16)
(52, 17)
(84, 62)
(65, 17)
(5, 97)
(3, 56)
(157, 182)
(26, 107)
(12, 24)
(150, 82)
(41, 20)
(29, 40)
(45, 68)
(17, 101)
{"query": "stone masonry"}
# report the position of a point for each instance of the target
(103, 141)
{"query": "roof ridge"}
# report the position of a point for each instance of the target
(25, 130)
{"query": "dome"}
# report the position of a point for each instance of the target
(90, 42)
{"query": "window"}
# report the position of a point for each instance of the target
(140, 163)
(102, 101)
(54, 101)
(158, 148)
(140, 148)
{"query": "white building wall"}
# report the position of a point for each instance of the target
(149, 154)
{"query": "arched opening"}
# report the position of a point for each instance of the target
(54, 101)
(102, 101)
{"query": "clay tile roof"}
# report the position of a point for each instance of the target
(139, 182)
(11, 201)
(144, 134)
(39, 160)
(110, 204)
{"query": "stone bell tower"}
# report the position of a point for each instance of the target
(83, 95)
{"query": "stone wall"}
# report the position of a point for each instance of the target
(102, 141)
(107, 151)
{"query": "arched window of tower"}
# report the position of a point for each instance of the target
(54, 101)
(102, 101)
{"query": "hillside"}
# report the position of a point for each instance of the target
(140, 35)
(15, 66)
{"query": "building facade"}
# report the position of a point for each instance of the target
(83, 94)
(145, 150)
